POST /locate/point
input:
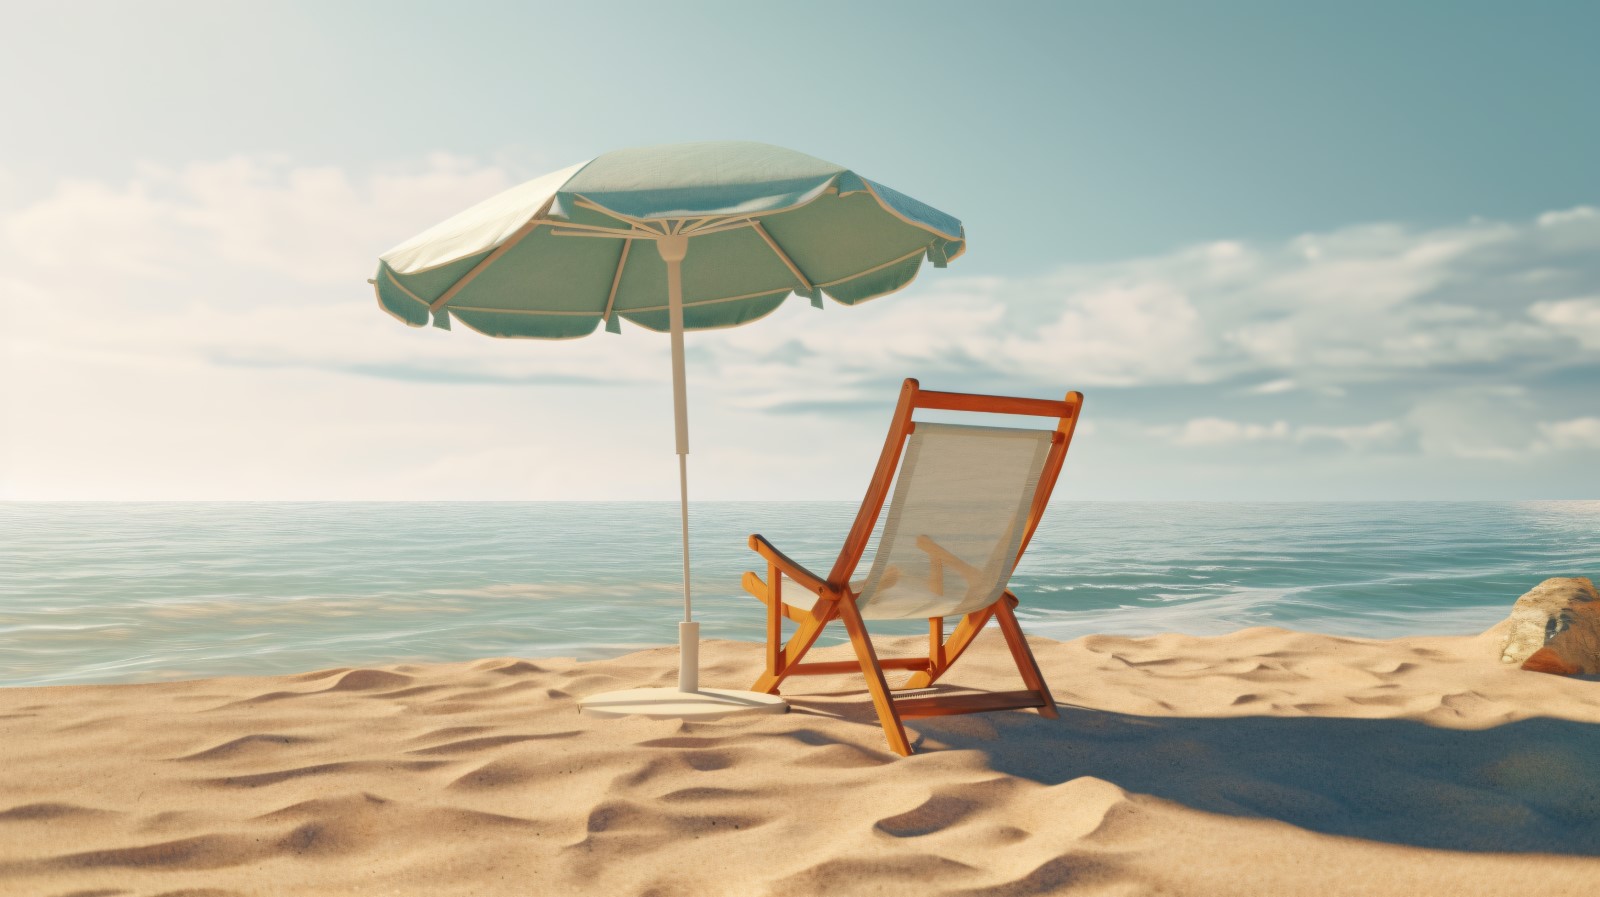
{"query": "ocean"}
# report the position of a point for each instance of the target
(137, 592)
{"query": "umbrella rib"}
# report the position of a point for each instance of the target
(591, 228)
(638, 223)
(692, 225)
(783, 257)
(604, 233)
(890, 263)
(710, 223)
(546, 311)
(500, 250)
(394, 280)
(695, 303)
(519, 311)
(722, 228)
(616, 281)
(528, 311)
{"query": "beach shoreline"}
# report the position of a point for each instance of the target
(1263, 761)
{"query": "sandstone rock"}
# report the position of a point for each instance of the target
(1555, 628)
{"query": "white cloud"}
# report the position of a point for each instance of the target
(1116, 334)
(1574, 217)
(1473, 425)
(1578, 318)
(1496, 425)
(1216, 431)
(1578, 434)
(1273, 387)
(1359, 437)
(1211, 431)
(236, 288)
(308, 224)
(1321, 312)
(123, 231)
(228, 240)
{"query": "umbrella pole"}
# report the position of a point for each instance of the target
(687, 701)
(673, 247)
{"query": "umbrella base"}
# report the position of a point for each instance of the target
(669, 703)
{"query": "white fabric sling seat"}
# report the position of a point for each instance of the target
(960, 506)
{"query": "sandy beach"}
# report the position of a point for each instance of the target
(1261, 762)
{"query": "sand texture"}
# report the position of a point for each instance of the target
(1262, 762)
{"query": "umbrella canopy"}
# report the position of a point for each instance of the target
(734, 229)
(764, 222)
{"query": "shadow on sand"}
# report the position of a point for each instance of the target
(1528, 786)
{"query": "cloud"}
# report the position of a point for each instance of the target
(1216, 431)
(1324, 313)
(1208, 431)
(1272, 387)
(1497, 425)
(1581, 221)
(1473, 425)
(211, 321)
(1578, 318)
(256, 260)
(307, 224)
(1578, 434)
(1360, 437)
(1115, 334)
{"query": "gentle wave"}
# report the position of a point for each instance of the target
(137, 592)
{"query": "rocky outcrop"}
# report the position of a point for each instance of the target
(1555, 628)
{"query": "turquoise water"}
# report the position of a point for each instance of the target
(140, 592)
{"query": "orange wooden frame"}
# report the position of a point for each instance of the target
(834, 599)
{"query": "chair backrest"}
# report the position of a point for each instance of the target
(956, 522)
(943, 451)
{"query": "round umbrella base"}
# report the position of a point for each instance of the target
(669, 703)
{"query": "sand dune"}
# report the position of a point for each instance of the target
(1262, 762)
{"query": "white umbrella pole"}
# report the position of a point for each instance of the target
(673, 248)
(688, 701)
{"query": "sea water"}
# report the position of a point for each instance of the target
(142, 592)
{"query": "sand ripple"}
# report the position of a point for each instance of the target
(1263, 762)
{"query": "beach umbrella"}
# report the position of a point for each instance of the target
(673, 238)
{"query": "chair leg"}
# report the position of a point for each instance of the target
(804, 637)
(876, 684)
(775, 652)
(960, 638)
(1023, 655)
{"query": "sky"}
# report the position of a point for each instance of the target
(1287, 251)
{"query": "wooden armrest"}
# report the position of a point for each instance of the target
(756, 587)
(788, 566)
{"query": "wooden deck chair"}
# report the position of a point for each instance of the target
(965, 504)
